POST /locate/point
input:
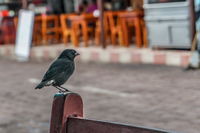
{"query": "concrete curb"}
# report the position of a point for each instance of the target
(110, 54)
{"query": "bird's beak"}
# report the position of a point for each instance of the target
(77, 54)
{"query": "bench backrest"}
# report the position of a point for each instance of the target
(67, 117)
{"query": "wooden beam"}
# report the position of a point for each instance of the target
(102, 34)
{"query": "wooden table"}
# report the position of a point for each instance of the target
(82, 20)
(135, 17)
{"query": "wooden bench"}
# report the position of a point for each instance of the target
(67, 117)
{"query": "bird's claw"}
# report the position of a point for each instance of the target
(62, 91)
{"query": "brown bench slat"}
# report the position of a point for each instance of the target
(79, 125)
(67, 113)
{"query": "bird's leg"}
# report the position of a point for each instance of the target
(60, 91)
(66, 90)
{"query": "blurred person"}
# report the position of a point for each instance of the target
(57, 6)
(31, 7)
(118, 5)
(137, 4)
(107, 6)
(92, 7)
(83, 6)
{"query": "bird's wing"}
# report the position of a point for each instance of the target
(57, 67)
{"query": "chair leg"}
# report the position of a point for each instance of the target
(65, 39)
(121, 39)
(97, 37)
(113, 39)
(85, 33)
(38, 38)
(57, 37)
(106, 39)
(145, 37)
(138, 33)
(44, 38)
(74, 39)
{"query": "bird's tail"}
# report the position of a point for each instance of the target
(40, 86)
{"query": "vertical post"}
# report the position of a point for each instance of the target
(24, 4)
(64, 106)
(192, 19)
(102, 34)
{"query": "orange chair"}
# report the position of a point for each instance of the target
(85, 21)
(66, 30)
(50, 28)
(86, 29)
(131, 21)
(115, 27)
(106, 30)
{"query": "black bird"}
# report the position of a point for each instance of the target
(59, 71)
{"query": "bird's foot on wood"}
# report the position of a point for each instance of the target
(60, 90)
(66, 90)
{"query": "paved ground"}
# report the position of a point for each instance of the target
(147, 95)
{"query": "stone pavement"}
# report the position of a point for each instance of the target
(110, 54)
(157, 96)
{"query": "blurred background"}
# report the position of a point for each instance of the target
(131, 68)
(131, 21)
